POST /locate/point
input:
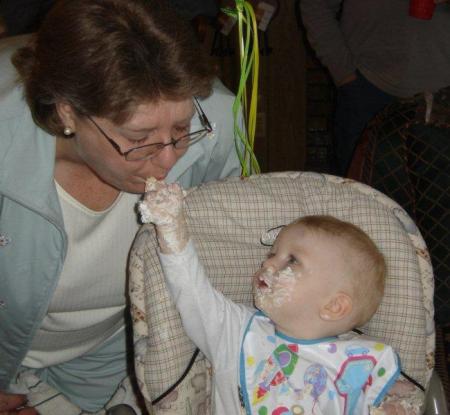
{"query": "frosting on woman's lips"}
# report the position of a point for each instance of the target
(150, 184)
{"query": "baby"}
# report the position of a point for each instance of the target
(322, 278)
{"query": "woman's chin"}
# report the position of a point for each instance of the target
(135, 185)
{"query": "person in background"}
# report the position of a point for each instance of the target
(25, 16)
(375, 52)
(2, 27)
(104, 95)
(322, 278)
(191, 9)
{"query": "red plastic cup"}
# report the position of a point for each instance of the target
(421, 9)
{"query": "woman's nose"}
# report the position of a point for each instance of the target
(167, 157)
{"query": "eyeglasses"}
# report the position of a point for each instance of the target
(149, 151)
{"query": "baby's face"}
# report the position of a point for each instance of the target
(301, 270)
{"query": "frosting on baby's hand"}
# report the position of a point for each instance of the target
(163, 206)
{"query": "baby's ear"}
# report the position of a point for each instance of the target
(338, 307)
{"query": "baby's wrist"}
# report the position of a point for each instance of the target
(173, 237)
(170, 228)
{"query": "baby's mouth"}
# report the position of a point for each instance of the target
(262, 283)
(265, 280)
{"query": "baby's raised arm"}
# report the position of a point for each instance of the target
(163, 206)
(212, 321)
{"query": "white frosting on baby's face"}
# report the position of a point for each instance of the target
(275, 288)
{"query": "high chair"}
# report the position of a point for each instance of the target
(226, 220)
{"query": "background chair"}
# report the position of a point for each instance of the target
(226, 220)
(405, 153)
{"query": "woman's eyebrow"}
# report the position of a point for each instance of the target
(185, 120)
(138, 130)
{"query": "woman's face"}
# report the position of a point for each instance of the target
(150, 123)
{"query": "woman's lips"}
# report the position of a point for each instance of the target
(157, 177)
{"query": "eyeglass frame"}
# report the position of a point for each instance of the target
(201, 115)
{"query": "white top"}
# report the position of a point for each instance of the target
(218, 326)
(89, 301)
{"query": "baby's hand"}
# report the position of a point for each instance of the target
(399, 401)
(162, 204)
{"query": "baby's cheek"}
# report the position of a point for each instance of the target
(288, 276)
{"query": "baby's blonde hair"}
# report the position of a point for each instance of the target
(368, 266)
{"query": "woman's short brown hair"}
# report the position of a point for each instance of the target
(106, 56)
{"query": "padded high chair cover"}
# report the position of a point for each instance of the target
(226, 220)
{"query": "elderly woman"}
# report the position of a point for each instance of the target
(110, 92)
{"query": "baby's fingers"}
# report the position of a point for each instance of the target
(152, 184)
(13, 404)
(176, 190)
(11, 401)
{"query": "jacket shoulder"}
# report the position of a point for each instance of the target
(11, 92)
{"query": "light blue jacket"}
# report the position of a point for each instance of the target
(33, 242)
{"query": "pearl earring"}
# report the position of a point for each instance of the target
(68, 131)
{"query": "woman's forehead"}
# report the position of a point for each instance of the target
(154, 113)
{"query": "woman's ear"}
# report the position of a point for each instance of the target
(66, 115)
(338, 307)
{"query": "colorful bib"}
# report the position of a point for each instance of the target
(281, 375)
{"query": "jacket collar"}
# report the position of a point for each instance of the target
(26, 175)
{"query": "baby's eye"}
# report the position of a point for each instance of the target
(270, 255)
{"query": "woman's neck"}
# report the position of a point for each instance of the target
(78, 179)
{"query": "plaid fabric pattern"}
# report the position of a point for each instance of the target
(226, 220)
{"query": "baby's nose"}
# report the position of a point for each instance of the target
(267, 263)
(268, 271)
